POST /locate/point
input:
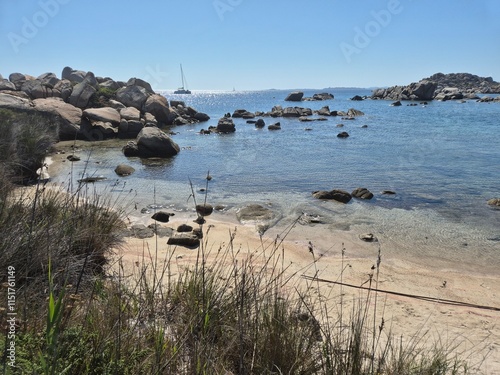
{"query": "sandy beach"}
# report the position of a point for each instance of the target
(470, 323)
(473, 330)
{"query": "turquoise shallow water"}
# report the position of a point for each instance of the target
(442, 159)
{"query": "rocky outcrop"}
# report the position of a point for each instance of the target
(18, 79)
(358, 98)
(6, 85)
(152, 142)
(440, 87)
(423, 90)
(157, 105)
(296, 112)
(93, 108)
(298, 96)
(81, 93)
(343, 135)
(130, 113)
(69, 116)
(260, 123)
(132, 96)
(351, 112)
(106, 114)
(73, 75)
(449, 93)
(295, 96)
(362, 193)
(324, 111)
(225, 125)
(466, 83)
(243, 113)
(14, 102)
(319, 97)
(337, 195)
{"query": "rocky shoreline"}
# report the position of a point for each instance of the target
(439, 86)
(94, 108)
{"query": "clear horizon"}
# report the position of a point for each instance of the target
(226, 44)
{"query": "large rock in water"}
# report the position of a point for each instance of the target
(337, 195)
(152, 142)
(423, 90)
(354, 112)
(226, 125)
(322, 96)
(362, 193)
(295, 96)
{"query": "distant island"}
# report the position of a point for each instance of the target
(441, 86)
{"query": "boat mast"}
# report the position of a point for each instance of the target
(182, 77)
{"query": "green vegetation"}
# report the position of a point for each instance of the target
(25, 140)
(101, 97)
(230, 312)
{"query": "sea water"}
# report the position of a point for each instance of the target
(441, 158)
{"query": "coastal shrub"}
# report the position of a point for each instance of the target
(25, 142)
(101, 97)
(75, 233)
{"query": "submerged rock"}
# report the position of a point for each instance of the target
(362, 193)
(255, 212)
(494, 202)
(124, 170)
(343, 135)
(337, 195)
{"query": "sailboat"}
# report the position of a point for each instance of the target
(182, 90)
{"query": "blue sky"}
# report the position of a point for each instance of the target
(252, 44)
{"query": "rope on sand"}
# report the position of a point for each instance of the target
(423, 298)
